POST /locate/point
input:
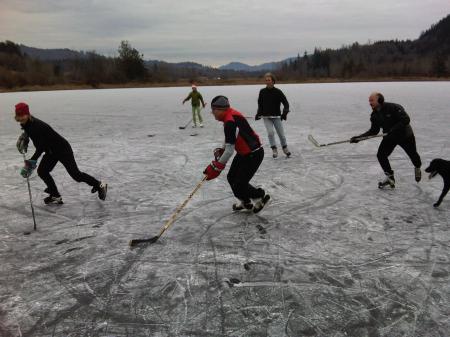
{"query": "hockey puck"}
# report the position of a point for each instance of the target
(26, 233)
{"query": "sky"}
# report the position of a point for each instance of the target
(213, 32)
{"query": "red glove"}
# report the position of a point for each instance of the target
(213, 170)
(218, 152)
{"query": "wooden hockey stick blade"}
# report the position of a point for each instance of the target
(135, 242)
(312, 140)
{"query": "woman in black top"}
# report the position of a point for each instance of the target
(269, 101)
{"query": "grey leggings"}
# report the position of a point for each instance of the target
(270, 123)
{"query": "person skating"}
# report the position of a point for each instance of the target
(269, 101)
(239, 136)
(56, 149)
(196, 98)
(395, 122)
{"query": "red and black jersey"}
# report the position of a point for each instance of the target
(239, 132)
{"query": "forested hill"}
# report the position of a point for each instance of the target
(427, 56)
(436, 39)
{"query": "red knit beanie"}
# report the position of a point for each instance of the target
(22, 109)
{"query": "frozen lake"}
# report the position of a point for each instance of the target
(330, 256)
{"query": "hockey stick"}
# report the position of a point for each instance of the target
(31, 199)
(134, 242)
(184, 127)
(316, 143)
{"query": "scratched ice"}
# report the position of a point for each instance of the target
(331, 256)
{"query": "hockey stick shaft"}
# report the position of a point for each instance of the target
(171, 219)
(31, 199)
(178, 210)
(184, 127)
(311, 138)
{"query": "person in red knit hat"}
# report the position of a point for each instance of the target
(56, 149)
(239, 136)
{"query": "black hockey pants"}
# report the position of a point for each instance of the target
(387, 146)
(242, 170)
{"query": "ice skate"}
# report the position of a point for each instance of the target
(389, 181)
(102, 189)
(286, 151)
(51, 200)
(417, 174)
(248, 206)
(274, 152)
(259, 205)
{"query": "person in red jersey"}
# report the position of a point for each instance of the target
(239, 137)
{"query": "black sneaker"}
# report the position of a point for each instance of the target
(259, 205)
(242, 207)
(51, 200)
(102, 189)
(286, 151)
(389, 181)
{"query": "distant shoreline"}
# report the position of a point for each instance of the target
(203, 83)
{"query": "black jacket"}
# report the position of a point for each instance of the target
(269, 101)
(393, 119)
(45, 139)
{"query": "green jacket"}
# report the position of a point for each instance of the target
(195, 98)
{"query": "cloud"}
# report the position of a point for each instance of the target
(213, 31)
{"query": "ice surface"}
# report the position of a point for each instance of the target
(331, 255)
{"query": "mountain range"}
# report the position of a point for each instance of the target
(68, 54)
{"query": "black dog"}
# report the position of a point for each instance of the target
(442, 167)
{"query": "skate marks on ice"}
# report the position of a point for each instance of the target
(337, 259)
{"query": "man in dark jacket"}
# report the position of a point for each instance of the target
(269, 101)
(394, 121)
(239, 136)
(55, 148)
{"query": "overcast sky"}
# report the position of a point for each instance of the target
(214, 32)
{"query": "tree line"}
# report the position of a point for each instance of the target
(17, 69)
(427, 56)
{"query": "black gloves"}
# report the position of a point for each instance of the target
(354, 139)
(22, 143)
(284, 115)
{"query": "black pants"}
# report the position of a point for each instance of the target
(242, 170)
(49, 162)
(387, 146)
